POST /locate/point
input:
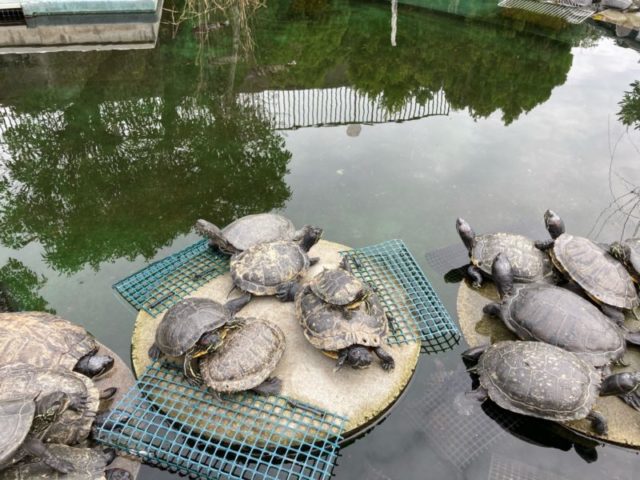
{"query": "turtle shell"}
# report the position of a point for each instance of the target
(557, 316)
(250, 230)
(540, 380)
(327, 329)
(599, 274)
(246, 359)
(43, 339)
(529, 264)
(337, 286)
(16, 416)
(262, 268)
(185, 322)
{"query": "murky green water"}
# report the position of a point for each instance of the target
(107, 158)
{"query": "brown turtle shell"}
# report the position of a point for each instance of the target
(337, 286)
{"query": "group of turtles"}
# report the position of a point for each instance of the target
(48, 399)
(338, 313)
(565, 299)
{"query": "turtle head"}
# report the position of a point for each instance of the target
(620, 252)
(93, 365)
(620, 383)
(359, 356)
(553, 223)
(209, 343)
(207, 229)
(310, 236)
(502, 274)
(466, 233)
(52, 405)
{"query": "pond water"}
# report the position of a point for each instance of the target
(306, 107)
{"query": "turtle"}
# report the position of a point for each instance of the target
(263, 268)
(588, 264)
(88, 464)
(529, 264)
(246, 359)
(555, 315)
(628, 252)
(248, 231)
(350, 340)
(194, 327)
(545, 381)
(44, 339)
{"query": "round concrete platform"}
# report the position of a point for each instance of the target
(480, 329)
(307, 374)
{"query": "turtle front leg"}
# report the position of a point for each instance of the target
(492, 309)
(154, 352)
(479, 394)
(613, 313)
(191, 369)
(34, 447)
(475, 275)
(388, 363)
(287, 291)
(472, 355)
(271, 386)
(598, 422)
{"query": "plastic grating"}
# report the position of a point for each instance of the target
(570, 14)
(507, 469)
(406, 294)
(170, 424)
(164, 283)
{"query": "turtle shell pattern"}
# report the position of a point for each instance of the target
(327, 329)
(529, 264)
(185, 322)
(598, 273)
(262, 268)
(250, 230)
(336, 286)
(246, 359)
(42, 339)
(16, 416)
(554, 315)
(540, 380)
(28, 381)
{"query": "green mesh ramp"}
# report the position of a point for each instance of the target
(55, 7)
(170, 424)
(406, 294)
(164, 283)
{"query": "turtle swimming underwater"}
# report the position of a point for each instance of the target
(43, 339)
(352, 339)
(248, 231)
(557, 316)
(601, 276)
(529, 264)
(193, 328)
(263, 268)
(246, 359)
(560, 385)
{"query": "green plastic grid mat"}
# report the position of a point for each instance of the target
(406, 294)
(165, 282)
(170, 424)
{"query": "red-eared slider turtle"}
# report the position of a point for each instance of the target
(246, 359)
(529, 264)
(352, 339)
(193, 328)
(248, 231)
(589, 265)
(544, 381)
(43, 339)
(264, 268)
(628, 252)
(557, 316)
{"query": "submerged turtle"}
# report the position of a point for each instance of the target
(43, 339)
(559, 385)
(628, 252)
(529, 264)
(589, 265)
(264, 268)
(193, 328)
(246, 359)
(248, 231)
(557, 316)
(352, 339)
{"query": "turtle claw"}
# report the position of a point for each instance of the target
(388, 366)
(79, 403)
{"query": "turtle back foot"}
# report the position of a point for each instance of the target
(271, 386)
(598, 422)
(475, 276)
(388, 363)
(287, 291)
(117, 474)
(492, 309)
(614, 314)
(154, 352)
(36, 448)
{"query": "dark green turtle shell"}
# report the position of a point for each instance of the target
(262, 268)
(250, 230)
(337, 286)
(246, 359)
(185, 322)
(326, 328)
(529, 263)
(599, 274)
(557, 316)
(540, 380)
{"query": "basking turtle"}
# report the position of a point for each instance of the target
(628, 252)
(246, 359)
(589, 265)
(248, 231)
(263, 268)
(43, 339)
(193, 328)
(557, 316)
(351, 339)
(529, 264)
(559, 385)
